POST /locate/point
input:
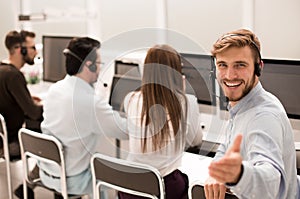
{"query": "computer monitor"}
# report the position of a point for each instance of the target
(282, 78)
(121, 86)
(128, 69)
(197, 70)
(53, 58)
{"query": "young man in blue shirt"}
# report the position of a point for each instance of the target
(257, 159)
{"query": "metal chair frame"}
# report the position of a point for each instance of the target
(3, 135)
(44, 148)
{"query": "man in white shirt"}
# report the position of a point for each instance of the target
(77, 117)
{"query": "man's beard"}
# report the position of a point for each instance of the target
(28, 60)
(248, 88)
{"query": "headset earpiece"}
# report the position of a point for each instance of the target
(93, 68)
(257, 69)
(23, 50)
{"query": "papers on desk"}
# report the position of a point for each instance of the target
(196, 167)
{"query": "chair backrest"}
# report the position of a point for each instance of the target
(126, 176)
(196, 191)
(44, 148)
(3, 135)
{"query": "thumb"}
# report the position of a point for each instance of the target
(236, 146)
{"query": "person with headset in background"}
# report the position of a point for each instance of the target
(78, 118)
(257, 158)
(16, 103)
(162, 119)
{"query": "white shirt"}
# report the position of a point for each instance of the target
(77, 117)
(166, 159)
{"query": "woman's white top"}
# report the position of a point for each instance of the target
(166, 159)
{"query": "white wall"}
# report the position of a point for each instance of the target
(276, 22)
(7, 23)
(204, 21)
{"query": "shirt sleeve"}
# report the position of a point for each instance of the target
(264, 171)
(109, 121)
(18, 88)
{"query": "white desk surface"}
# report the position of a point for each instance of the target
(195, 166)
(40, 90)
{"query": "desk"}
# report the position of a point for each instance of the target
(40, 89)
(195, 166)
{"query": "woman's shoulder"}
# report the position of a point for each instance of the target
(191, 99)
(132, 96)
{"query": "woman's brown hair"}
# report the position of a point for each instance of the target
(164, 103)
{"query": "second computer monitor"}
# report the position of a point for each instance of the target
(197, 70)
(121, 86)
(53, 59)
(127, 69)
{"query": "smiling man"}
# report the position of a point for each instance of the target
(257, 159)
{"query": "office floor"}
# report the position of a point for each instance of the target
(108, 148)
(16, 177)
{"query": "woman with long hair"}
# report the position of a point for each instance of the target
(162, 119)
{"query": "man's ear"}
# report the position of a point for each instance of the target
(261, 64)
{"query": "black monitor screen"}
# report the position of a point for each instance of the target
(128, 69)
(196, 68)
(282, 78)
(53, 58)
(120, 87)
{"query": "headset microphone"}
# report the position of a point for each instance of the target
(222, 98)
(104, 84)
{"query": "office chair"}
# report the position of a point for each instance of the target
(3, 135)
(196, 191)
(44, 148)
(298, 161)
(126, 176)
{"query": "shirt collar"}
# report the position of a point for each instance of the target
(80, 83)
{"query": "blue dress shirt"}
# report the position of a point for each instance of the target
(267, 149)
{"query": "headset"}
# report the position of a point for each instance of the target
(257, 68)
(92, 67)
(24, 50)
